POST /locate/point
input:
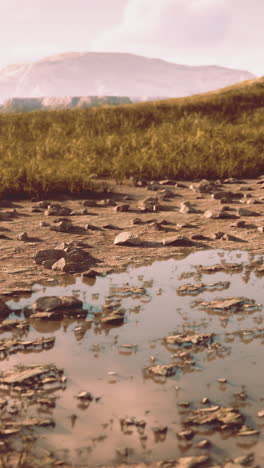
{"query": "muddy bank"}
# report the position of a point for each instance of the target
(143, 365)
(162, 219)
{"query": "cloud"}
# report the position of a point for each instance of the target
(191, 32)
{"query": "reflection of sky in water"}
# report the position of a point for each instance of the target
(88, 361)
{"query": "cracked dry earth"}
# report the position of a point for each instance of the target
(106, 364)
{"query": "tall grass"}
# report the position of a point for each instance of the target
(212, 136)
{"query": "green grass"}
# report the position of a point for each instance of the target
(209, 136)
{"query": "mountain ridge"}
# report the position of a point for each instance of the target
(111, 74)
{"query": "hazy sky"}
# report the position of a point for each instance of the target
(193, 32)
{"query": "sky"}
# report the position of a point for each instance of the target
(191, 32)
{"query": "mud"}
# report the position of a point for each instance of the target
(122, 365)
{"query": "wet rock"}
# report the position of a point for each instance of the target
(228, 267)
(203, 444)
(47, 304)
(193, 289)
(85, 396)
(223, 418)
(70, 302)
(10, 325)
(179, 241)
(9, 346)
(128, 290)
(127, 238)
(115, 318)
(163, 370)
(231, 304)
(186, 435)
(190, 340)
(4, 309)
(26, 375)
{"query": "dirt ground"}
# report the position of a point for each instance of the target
(18, 271)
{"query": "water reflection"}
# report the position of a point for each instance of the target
(111, 361)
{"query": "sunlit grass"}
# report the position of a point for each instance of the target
(211, 136)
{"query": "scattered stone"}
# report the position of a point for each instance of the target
(223, 418)
(49, 256)
(186, 207)
(23, 236)
(57, 210)
(186, 435)
(222, 380)
(190, 340)
(246, 212)
(225, 267)
(63, 226)
(203, 444)
(194, 289)
(85, 396)
(204, 186)
(231, 304)
(219, 214)
(121, 208)
(179, 241)
(163, 370)
(4, 309)
(192, 462)
(127, 238)
(149, 204)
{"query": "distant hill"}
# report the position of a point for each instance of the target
(61, 103)
(112, 74)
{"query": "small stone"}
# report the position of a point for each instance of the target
(222, 380)
(121, 208)
(127, 238)
(23, 236)
(203, 444)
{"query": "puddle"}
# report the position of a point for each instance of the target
(112, 362)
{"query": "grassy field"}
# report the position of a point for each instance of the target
(208, 136)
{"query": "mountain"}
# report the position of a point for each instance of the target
(112, 74)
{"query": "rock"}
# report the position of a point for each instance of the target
(190, 340)
(246, 212)
(57, 210)
(179, 241)
(224, 417)
(127, 238)
(219, 214)
(66, 266)
(192, 462)
(47, 304)
(106, 202)
(85, 396)
(23, 236)
(163, 370)
(233, 267)
(167, 182)
(4, 309)
(186, 435)
(186, 207)
(63, 226)
(232, 180)
(48, 255)
(203, 444)
(232, 304)
(245, 460)
(193, 289)
(204, 186)
(89, 203)
(70, 302)
(149, 204)
(239, 224)
(218, 235)
(121, 208)
(137, 221)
